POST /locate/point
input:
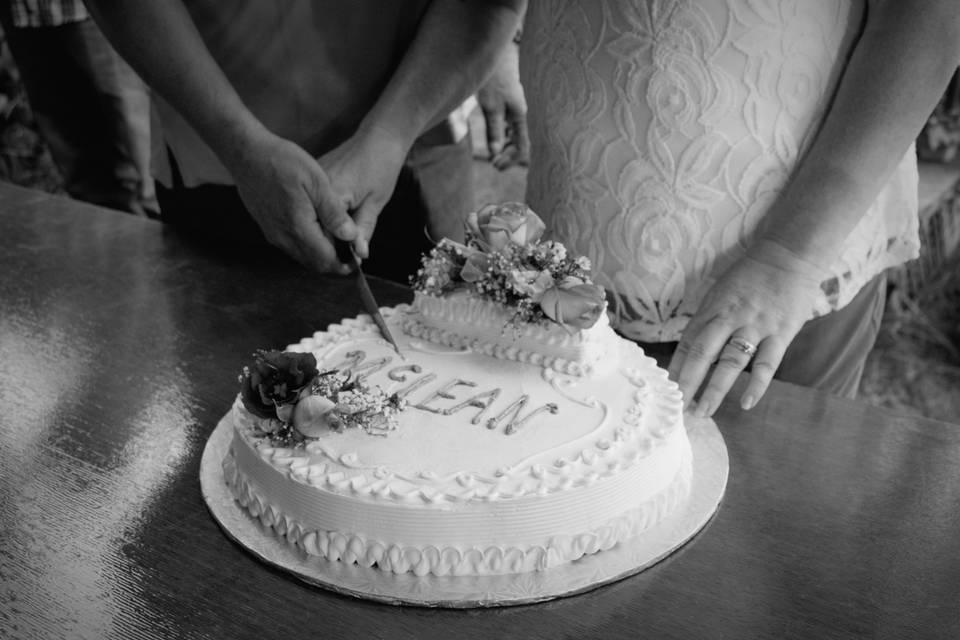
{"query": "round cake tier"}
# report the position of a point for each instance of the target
(496, 466)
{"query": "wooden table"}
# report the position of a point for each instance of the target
(119, 348)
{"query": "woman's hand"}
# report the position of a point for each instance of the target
(292, 200)
(754, 311)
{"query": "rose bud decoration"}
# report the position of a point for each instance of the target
(496, 226)
(574, 305)
(275, 379)
(312, 416)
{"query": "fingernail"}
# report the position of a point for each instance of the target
(747, 402)
(345, 231)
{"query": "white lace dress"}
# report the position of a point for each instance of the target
(662, 130)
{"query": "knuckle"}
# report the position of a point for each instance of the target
(689, 380)
(730, 362)
(764, 368)
(714, 390)
(698, 351)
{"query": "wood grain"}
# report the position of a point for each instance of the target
(119, 348)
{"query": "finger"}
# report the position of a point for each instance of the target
(505, 159)
(304, 239)
(496, 126)
(765, 365)
(312, 248)
(692, 329)
(730, 364)
(700, 353)
(521, 139)
(329, 209)
(365, 218)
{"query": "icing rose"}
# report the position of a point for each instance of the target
(573, 303)
(275, 379)
(496, 226)
(312, 416)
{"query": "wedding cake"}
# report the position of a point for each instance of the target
(511, 431)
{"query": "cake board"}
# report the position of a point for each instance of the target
(710, 470)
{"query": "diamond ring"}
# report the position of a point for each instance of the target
(743, 345)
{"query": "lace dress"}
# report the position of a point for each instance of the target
(662, 131)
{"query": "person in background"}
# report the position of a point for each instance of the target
(751, 177)
(265, 110)
(739, 173)
(504, 107)
(92, 110)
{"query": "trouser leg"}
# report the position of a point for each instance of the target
(830, 352)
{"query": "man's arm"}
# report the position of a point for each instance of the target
(455, 49)
(283, 187)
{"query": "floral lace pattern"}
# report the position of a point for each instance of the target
(662, 131)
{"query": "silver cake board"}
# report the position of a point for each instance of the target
(710, 469)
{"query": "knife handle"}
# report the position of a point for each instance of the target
(344, 251)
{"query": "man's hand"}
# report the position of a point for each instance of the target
(363, 172)
(290, 196)
(504, 109)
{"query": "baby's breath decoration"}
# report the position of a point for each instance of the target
(297, 403)
(505, 261)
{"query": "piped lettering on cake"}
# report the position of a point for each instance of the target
(416, 384)
(513, 411)
(355, 363)
(512, 416)
(396, 373)
(444, 393)
(481, 401)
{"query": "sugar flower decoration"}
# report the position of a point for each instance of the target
(504, 259)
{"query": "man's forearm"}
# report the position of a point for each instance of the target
(897, 72)
(159, 39)
(455, 49)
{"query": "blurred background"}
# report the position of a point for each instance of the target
(915, 365)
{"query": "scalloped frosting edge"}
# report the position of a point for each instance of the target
(449, 560)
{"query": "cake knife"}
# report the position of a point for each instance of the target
(346, 255)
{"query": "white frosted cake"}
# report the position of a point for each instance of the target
(491, 446)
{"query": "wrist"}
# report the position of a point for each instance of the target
(776, 254)
(235, 141)
(388, 141)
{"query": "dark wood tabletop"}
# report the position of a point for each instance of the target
(120, 344)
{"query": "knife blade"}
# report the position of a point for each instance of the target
(346, 255)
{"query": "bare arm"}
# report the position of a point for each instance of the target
(455, 50)
(897, 71)
(283, 187)
(456, 47)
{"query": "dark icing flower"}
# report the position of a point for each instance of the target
(276, 378)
